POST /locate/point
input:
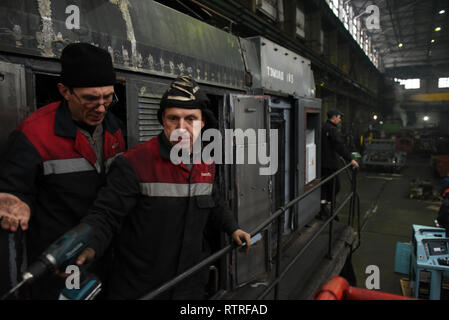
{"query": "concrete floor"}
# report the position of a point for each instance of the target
(387, 215)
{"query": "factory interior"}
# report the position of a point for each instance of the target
(385, 65)
(284, 65)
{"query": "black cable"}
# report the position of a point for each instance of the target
(359, 231)
(357, 198)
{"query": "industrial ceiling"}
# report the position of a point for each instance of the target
(412, 33)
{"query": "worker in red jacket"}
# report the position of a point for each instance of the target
(160, 208)
(56, 159)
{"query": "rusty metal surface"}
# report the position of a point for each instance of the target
(142, 36)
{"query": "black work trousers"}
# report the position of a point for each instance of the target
(326, 189)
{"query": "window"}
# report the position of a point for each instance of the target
(345, 16)
(443, 83)
(345, 12)
(410, 83)
(354, 30)
(300, 22)
(334, 6)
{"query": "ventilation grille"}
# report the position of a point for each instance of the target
(149, 126)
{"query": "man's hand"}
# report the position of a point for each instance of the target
(86, 256)
(241, 236)
(355, 163)
(13, 212)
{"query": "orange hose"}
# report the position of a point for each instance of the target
(333, 290)
(338, 288)
(364, 294)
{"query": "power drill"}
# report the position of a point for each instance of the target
(61, 252)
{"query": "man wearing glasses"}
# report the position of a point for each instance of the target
(56, 159)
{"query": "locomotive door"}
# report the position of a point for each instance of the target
(13, 106)
(307, 134)
(252, 189)
(13, 109)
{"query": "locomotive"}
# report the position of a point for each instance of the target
(252, 83)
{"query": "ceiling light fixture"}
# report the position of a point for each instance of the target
(442, 11)
(437, 29)
(432, 41)
(400, 45)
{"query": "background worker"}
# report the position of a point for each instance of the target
(333, 147)
(163, 209)
(56, 159)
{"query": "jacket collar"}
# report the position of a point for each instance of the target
(331, 123)
(164, 146)
(65, 126)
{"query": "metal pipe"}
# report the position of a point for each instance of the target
(294, 201)
(290, 265)
(213, 11)
(278, 257)
(170, 284)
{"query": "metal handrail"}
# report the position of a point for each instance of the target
(276, 215)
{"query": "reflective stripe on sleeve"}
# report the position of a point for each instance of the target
(68, 166)
(160, 189)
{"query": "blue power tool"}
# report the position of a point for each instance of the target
(89, 288)
(60, 253)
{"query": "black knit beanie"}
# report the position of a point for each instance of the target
(184, 92)
(85, 65)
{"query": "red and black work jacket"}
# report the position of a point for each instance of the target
(51, 166)
(164, 210)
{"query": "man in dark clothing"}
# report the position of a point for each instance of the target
(332, 146)
(161, 208)
(56, 159)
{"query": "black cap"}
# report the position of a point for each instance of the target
(85, 65)
(184, 92)
(334, 112)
